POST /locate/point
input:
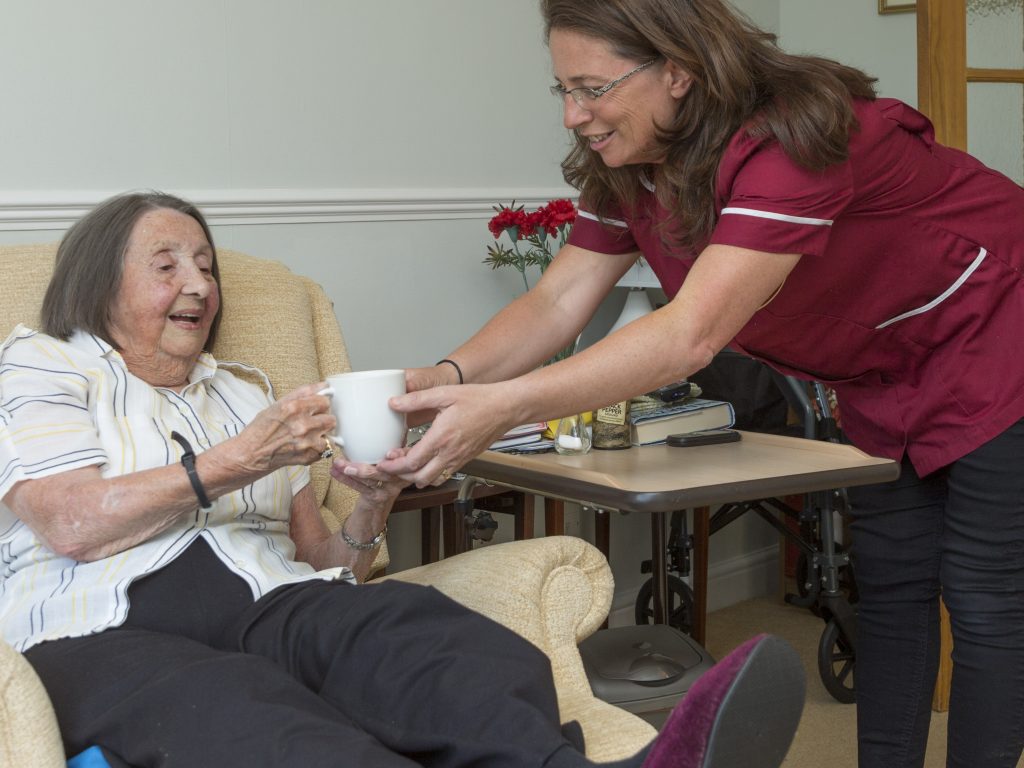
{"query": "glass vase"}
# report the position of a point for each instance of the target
(572, 438)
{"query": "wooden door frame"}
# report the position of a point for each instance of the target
(942, 68)
(942, 77)
(942, 71)
(942, 96)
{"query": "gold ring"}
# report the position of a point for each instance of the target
(328, 451)
(446, 474)
(380, 483)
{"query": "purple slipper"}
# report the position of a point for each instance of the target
(741, 713)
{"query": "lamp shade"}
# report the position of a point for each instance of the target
(637, 305)
(640, 275)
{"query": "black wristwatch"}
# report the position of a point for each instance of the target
(188, 461)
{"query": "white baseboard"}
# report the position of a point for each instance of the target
(731, 581)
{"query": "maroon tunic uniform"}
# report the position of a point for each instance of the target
(908, 298)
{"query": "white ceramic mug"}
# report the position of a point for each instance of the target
(367, 428)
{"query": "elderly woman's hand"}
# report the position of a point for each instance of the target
(368, 480)
(367, 525)
(291, 431)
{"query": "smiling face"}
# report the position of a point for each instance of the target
(622, 124)
(167, 298)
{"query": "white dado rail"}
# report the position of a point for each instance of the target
(40, 210)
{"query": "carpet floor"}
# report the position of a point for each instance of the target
(827, 735)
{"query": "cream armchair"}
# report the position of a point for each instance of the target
(554, 591)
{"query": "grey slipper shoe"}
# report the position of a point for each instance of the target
(741, 713)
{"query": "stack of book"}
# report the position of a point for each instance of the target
(652, 426)
(525, 437)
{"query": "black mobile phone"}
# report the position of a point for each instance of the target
(670, 393)
(707, 437)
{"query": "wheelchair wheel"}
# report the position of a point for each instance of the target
(680, 604)
(836, 659)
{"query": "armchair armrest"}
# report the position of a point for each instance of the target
(553, 591)
(28, 725)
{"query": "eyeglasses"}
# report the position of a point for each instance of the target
(585, 97)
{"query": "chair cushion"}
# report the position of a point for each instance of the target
(265, 304)
(26, 270)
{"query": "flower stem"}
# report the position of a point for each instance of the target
(521, 264)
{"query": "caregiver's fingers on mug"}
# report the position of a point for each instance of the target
(427, 378)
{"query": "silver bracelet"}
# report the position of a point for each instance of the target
(364, 545)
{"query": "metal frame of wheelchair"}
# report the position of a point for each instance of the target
(824, 573)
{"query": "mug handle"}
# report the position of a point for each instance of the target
(336, 439)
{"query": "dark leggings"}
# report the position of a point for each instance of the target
(315, 674)
(958, 531)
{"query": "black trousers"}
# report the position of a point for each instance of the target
(314, 674)
(958, 532)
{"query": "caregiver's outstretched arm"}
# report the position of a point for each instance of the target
(723, 290)
(531, 329)
(536, 325)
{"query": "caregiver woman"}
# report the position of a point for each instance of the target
(793, 216)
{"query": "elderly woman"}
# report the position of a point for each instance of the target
(795, 217)
(167, 573)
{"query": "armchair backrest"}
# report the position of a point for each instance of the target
(278, 321)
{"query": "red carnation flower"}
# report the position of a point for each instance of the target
(558, 213)
(532, 222)
(508, 218)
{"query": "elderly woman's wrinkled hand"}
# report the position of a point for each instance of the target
(367, 480)
(291, 431)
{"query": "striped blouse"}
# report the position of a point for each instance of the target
(67, 405)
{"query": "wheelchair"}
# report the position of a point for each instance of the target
(824, 572)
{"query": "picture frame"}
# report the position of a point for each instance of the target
(892, 6)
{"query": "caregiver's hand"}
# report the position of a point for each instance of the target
(417, 379)
(469, 418)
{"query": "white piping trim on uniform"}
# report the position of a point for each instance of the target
(939, 299)
(614, 222)
(778, 216)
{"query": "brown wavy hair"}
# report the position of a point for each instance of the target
(740, 78)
